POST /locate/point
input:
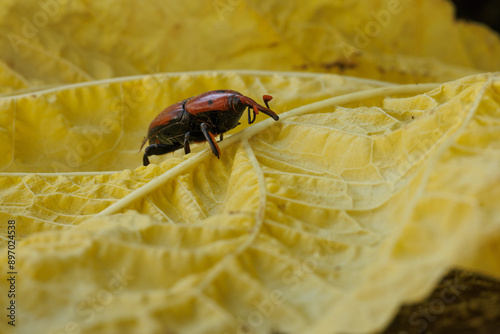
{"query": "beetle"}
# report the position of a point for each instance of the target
(198, 119)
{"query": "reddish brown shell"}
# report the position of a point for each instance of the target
(168, 114)
(210, 101)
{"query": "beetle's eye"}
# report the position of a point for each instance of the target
(236, 103)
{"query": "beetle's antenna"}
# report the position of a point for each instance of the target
(266, 99)
(257, 107)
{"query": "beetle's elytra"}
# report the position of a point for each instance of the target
(200, 118)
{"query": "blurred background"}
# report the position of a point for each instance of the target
(487, 12)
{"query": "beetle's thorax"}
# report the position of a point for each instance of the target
(221, 110)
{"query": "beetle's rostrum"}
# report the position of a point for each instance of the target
(200, 118)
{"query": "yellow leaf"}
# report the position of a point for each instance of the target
(355, 202)
(325, 221)
(99, 126)
(9, 80)
(93, 132)
(59, 42)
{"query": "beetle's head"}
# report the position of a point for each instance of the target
(240, 101)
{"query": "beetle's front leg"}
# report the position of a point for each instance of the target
(211, 139)
(250, 119)
(187, 148)
(158, 149)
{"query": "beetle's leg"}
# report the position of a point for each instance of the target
(221, 137)
(211, 140)
(158, 149)
(187, 149)
(250, 120)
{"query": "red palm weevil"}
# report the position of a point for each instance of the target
(200, 118)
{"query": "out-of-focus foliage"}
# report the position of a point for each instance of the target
(55, 42)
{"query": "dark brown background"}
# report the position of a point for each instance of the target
(487, 12)
(462, 303)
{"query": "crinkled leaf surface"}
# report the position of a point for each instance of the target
(356, 201)
(325, 221)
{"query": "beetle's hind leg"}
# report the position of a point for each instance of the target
(158, 149)
(211, 139)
